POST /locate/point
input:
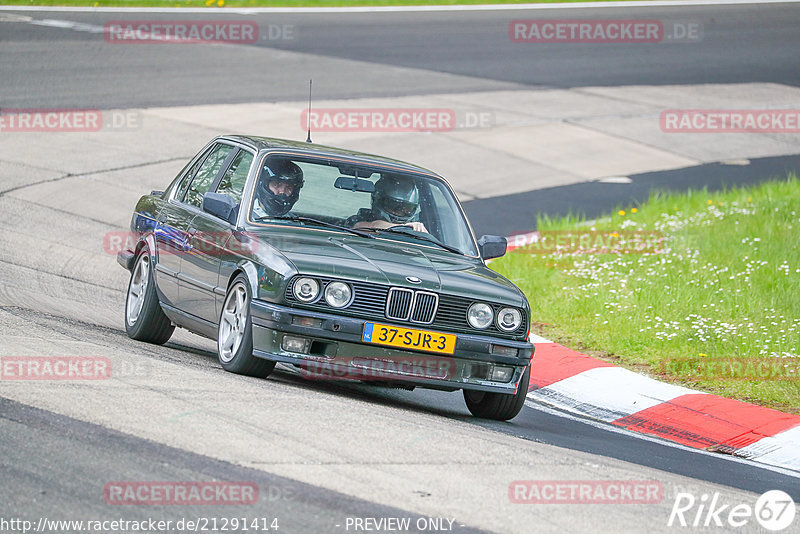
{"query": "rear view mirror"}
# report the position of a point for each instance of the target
(221, 206)
(354, 170)
(354, 184)
(492, 246)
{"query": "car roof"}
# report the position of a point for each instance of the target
(267, 143)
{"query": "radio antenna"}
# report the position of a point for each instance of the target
(308, 139)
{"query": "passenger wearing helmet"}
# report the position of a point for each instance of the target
(278, 188)
(395, 202)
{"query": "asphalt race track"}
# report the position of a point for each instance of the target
(740, 44)
(592, 199)
(322, 454)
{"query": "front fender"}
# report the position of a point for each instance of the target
(251, 273)
(265, 267)
(127, 258)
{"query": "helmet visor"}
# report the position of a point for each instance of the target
(400, 208)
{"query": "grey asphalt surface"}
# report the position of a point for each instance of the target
(437, 51)
(51, 300)
(56, 467)
(75, 460)
(511, 214)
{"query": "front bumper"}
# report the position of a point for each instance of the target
(125, 258)
(335, 351)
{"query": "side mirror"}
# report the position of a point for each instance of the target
(492, 246)
(221, 206)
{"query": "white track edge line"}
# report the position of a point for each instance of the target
(396, 9)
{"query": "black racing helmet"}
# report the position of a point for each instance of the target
(281, 170)
(395, 198)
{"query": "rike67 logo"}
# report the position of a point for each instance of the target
(774, 511)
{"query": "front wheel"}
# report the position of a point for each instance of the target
(144, 318)
(235, 334)
(498, 406)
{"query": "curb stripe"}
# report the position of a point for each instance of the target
(553, 362)
(702, 421)
(609, 393)
(533, 338)
(589, 387)
(781, 450)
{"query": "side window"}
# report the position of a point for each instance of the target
(232, 183)
(205, 176)
(183, 186)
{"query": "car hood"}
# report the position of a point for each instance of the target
(388, 261)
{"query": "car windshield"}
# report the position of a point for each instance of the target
(367, 199)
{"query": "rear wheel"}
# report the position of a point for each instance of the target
(235, 334)
(499, 406)
(144, 318)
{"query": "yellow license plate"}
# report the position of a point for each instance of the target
(409, 338)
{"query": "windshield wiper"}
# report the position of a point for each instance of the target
(300, 218)
(407, 230)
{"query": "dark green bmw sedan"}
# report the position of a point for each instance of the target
(342, 265)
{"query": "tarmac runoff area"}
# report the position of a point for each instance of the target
(504, 142)
(487, 144)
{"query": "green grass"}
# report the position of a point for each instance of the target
(714, 306)
(267, 3)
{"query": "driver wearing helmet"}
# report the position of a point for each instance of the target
(395, 202)
(278, 188)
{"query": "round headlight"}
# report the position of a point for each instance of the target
(480, 315)
(338, 294)
(509, 319)
(306, 289)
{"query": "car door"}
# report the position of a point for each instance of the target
(189, 206)
(172, 223)
(209, 235)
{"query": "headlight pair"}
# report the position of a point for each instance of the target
(337, 294)
(481, 315)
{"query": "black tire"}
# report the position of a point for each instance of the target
(238, 357)
(498, 406)
(149, 324)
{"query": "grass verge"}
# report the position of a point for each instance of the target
(701, 289)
